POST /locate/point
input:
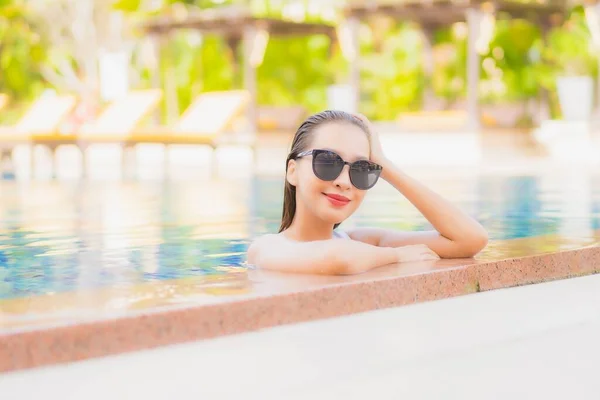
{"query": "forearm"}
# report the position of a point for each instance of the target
(323, 257)
(355, 257)
(450, 221)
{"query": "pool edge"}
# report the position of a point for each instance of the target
(75, 342)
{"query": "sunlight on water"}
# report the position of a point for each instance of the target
(58, 237)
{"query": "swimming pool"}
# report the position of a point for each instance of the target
(70, 236)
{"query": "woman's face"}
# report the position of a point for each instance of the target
(331, 201)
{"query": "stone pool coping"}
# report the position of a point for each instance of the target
(279, 299)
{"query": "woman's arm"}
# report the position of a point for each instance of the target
(328, 257)
(457, 235)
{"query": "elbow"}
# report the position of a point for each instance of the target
(481, 241)
(337, 261)
(475, 244)
(336, 265)
(331, 266)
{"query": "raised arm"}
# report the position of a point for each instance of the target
(456, 235)
(328, 257)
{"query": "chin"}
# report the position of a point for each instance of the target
(333, 217)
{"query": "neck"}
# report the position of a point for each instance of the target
(307, 227)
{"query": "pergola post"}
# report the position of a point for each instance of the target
(544, 100)
(429, 98)
(592, 14)
(249, 77)
(474, 17)
(254, 42)
(169, 78)
(353, 57)
(155, 69)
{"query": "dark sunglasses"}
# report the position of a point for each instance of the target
(328, 165)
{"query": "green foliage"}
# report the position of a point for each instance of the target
(194, 68)
(449, 76)
(22, 51)
(295, 71)
(513, 51)
(570, 49)
(201, 68)
(519, 65)
(392, 74)
(127, 5)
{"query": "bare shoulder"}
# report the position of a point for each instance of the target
(259, 244)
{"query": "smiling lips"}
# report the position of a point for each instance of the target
(337, 200)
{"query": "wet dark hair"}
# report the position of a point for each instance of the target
(300, 143)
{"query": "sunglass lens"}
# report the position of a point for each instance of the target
(327, 165)
(364, 174)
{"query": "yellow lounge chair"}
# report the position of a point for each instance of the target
(444, 120)
(114, 124)
(209, 115)
(119, 119)
(44, 117)
(281, 119)
(204, 122)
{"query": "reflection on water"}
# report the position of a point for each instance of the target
(57, 237)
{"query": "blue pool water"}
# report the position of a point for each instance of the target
(58, 237)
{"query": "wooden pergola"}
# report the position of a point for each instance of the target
(433, 14)
(238, 27)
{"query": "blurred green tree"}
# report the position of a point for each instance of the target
(40, 48)
(22, 51)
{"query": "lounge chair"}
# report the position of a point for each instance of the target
(209, 115)
(443, 120)
(446, 120)
(281, 119)
(43, 117)
(114, 124)
(205, 122)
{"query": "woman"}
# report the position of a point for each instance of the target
(335, 158)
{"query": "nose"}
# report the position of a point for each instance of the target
(343, 179)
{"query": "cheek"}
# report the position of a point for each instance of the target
(309, 183)
(311, 186)
(358, 197)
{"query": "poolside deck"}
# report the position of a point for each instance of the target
(529, 342)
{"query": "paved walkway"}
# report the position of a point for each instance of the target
(538, 341)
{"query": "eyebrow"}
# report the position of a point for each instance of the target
(354, 157)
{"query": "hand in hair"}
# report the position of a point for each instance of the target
(377, 154)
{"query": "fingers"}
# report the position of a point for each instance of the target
(362, 118)
(367, 123)
(418, 252)
(430, 256)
